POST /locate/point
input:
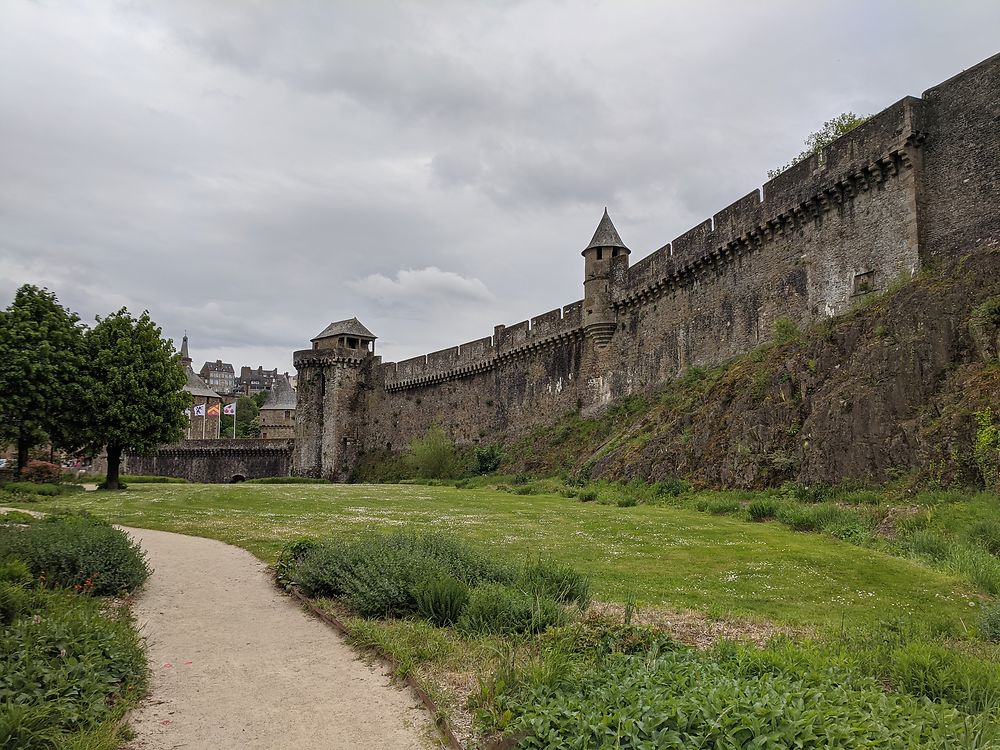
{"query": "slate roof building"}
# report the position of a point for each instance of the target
(251, 382)
(350, 334)
(220, 376)
(203, 398)
(277, 415)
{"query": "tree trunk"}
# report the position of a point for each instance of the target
(114, 465)
(22, 451)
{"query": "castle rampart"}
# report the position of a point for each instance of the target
(918, 180)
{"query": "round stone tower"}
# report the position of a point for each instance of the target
(598, 308)
(328, 419)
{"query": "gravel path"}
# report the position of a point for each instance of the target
(236, 664)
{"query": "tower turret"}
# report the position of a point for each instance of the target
(598, 310)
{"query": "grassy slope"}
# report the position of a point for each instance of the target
(659, 555)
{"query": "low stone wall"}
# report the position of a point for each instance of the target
(215, 461)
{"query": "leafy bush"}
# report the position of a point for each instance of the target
(931, 544)
(290, 554)
(986, 533)
(940, 674)
(723, 506)
(70, 663)
(762, 509)
(441, 599)
(41, 472)
(16, 517)
(433, 456)
(561, 582)
(488, 458)
(499, 609)
(681, 698)
(378, 574)
(77, 551)
(629, 501)
(16, 572)
(671, 488)
(587, 496)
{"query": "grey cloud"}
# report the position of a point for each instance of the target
(251, 170)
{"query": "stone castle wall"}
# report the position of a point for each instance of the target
(216, 461)
(918, 180)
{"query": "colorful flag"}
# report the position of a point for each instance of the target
(230, 409)
(187, 413)
(213, 410)
(199, 410)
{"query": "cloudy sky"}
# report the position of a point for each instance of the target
(250, 171)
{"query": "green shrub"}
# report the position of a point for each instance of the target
(16, 517)
(941, 674)
(41, 472)
(681, 698)
(587, 496)
(441, 599)
(762, 509)
(930, 544)
(293, 551)
(77, 551)
(986, 533)
(499, 609)
(629, 501)
(671, 488)
(724, 506)
(989, 622)
(74, 657)
(433, 456)
(561, 582)
(15, 601)
(488, 458)
(28, 727)
(16, 572)
(378, 574)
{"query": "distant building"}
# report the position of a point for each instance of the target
(277, 415)
(205, 412)
(251, 382)
(219, 376)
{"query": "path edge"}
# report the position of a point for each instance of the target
(440, 720)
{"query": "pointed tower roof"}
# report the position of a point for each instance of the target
(349, 327)
(606, 235)
(185, 357)
(282, 395)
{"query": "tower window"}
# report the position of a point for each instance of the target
(614, 253)
(600, 253)
(864, 282)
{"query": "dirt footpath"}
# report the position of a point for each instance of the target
(236, 664)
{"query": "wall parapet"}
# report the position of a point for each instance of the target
(334, 356)
(861, 160)
(507, 343)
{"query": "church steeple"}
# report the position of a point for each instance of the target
(185, 358)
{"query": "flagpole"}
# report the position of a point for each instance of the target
(234, 420)
(204, 417)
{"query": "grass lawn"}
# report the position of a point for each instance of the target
(658, 556)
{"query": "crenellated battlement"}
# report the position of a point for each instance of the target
(916, 183)
(507, 343)
(877, 151)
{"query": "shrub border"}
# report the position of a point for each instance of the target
(442, 723)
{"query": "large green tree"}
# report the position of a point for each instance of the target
(135, 395)
(247, 425)
(41, 371)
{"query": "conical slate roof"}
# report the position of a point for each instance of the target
(184, 349)
(282, 395)
(606, 234)
(349, 327)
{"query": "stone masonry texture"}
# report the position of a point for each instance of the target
(918, 182)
